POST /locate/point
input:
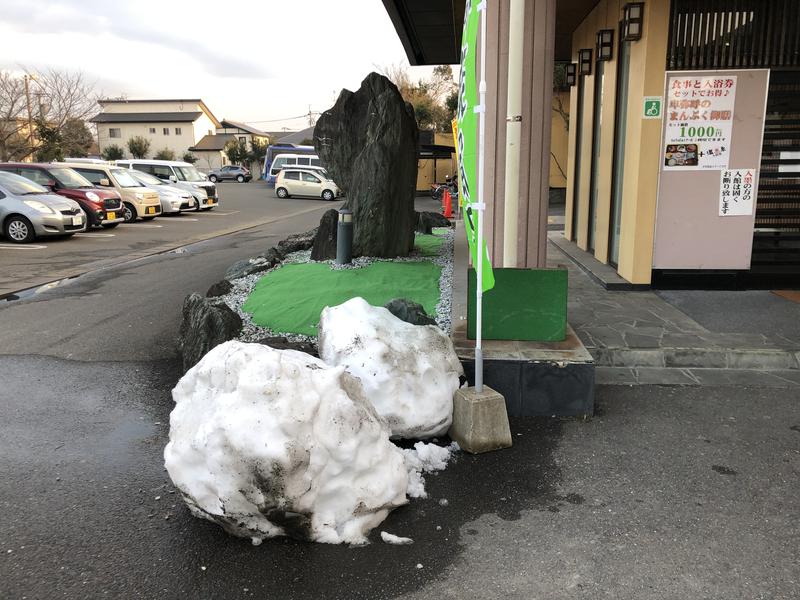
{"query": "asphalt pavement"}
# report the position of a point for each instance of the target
(669, 492)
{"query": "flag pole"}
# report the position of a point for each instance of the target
(481, 205)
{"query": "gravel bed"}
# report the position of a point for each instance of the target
(243, 287)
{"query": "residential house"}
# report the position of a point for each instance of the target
(174, 124)
(210, 150)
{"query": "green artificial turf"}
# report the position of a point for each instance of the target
(428, 245)
(290, 299)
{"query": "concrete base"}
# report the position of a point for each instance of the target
(480, 421)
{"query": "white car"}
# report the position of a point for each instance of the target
(173, 199)
(180, 174)
(305, 182)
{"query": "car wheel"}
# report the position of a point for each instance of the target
(327, 195)
(240, 178)
(129, 213)
(282, 193)
(109, 225)
(212, 178)
(19, 230)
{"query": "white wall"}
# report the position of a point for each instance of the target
(158, 141)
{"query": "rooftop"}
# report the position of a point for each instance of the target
(148, 117)
(213, 142)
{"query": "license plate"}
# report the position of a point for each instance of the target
(211, 201)
(151, 210)
(77, 220)
(111, 216)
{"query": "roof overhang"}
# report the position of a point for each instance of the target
(430, 30)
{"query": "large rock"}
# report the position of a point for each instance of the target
(220, 288)
(325, 241)
(297, 242)
(205, 324)
(409, 373)
(409, 311)
(426, 221)
(249, 266)
(271, 442)
(368, 144)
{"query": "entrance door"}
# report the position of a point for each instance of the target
(776, 239)
(597, 129)
(620, 133)
(576, 187)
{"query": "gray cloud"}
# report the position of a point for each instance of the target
(138, 23)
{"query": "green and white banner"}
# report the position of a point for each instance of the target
(467, 141)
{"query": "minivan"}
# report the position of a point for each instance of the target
(299, 182)
(181, 174)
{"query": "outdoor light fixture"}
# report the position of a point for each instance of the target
(632, 21)
(585, 61)
(571, 71)
(605, 44)
(344, 237)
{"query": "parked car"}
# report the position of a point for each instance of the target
(138, 201)
(230, 172)
(300, 182)
(181, 174)
(173, 199)
(28, 211)
(102, 206)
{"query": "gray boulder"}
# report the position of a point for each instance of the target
(409, 311)
(426, 221)
(368, 144)
(297, 242)
(249, 266)
(205, 324)
(325, 241)
(221, 288)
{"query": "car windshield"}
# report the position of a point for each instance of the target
(146, 178)
(188, 174)
(124, 179)
(70, 179)
(19, 186)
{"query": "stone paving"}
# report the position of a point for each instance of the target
(638, 337)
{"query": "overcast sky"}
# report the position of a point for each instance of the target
(250, 60)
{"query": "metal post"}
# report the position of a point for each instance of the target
(344, 237)
(516, 36)
(481, 206)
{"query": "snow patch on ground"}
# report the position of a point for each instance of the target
(409, 372)
(394, 539)
(271, 442)
(425, 458)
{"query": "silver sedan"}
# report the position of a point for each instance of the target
(28, 211)
(173, 199)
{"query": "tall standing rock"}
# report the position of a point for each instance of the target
(368, 144)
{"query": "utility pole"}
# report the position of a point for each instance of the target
(30, 116)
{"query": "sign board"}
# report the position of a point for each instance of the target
(705, 210)
(736, 192)
(652, 107)
(699, 121)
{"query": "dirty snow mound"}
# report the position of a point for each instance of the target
(409, 372)
(271, 442)
(395, 539)
(425, 458)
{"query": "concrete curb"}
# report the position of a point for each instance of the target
(698, 358)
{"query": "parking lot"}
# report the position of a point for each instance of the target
(23, 266)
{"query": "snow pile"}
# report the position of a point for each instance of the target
(395, 539)
(409, 372)
(274, 442)
(425, 458)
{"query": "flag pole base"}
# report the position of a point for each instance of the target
(480, 420)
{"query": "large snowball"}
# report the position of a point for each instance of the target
(409, 372)
(274, 442)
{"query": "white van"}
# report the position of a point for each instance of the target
(181, 174)
(284, 160)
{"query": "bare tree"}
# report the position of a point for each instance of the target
(64, 95)
(13, 118)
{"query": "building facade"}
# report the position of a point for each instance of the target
(175, 125)
(683, 145)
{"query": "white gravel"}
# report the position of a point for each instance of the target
(243, 287)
